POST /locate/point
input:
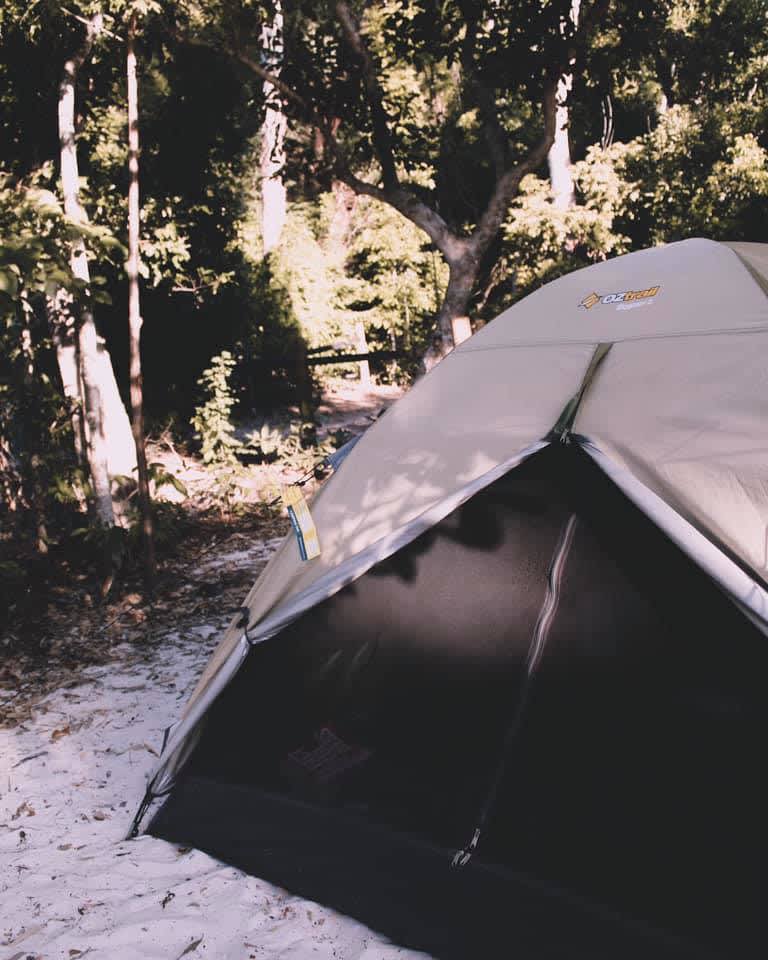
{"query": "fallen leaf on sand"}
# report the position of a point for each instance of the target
(190, 947)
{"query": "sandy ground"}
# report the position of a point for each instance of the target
(71, 777)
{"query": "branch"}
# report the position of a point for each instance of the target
(508, 184)
(493, 131)
(406, 203)
(93, 27)
(287, 92)
(382, 138)
(391, 192)
(89, 23)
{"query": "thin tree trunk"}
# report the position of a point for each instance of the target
(559, 156)
(665, 75)
(344, 202)
(36, 473)
(134, 306)
(87, 341)
(363, 366)
(273, 130)
(63, 328)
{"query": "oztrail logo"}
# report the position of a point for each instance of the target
(629, 298)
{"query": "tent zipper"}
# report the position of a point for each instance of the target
(533, 660)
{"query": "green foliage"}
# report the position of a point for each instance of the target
(34, 443)
(120, 548)
(160, 477)
(212, 421)
(310, 280)
(394, 280)
(686, 81)
(265, 444)
(34, 239)
(541, 242)
(290, 446)
(699, 172)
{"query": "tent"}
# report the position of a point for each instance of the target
(517, 702)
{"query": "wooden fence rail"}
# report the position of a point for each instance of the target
(317, 360)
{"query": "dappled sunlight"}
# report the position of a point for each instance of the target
(472, 413)
(437, 439)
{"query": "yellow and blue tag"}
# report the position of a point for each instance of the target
(302, 522)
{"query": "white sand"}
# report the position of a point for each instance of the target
(70, 886)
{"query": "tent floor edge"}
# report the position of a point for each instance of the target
(141, 812)
(360, 869)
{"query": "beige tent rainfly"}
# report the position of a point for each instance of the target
(614, 421)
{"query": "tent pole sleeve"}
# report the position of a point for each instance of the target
(564, 425)
(750, 596)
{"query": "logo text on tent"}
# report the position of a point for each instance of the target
(627, 297)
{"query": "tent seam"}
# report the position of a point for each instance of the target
(754, 274)
(591, 341)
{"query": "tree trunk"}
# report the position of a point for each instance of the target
(96, 445)
(134, 306)
(87, 342)
(364, 367)
(109, 448)
(559, 156)
(453, 324)
(63, 328)
(35, 474)
(344, 203)
(273, 130)
(665, 75)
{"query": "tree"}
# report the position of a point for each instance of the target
(86, 339)
(273, 130)
(134, 301)
(559, 156)
(101, 428)
(338, 88)
(32, 228)
(697, 168)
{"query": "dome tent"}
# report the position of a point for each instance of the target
(519, 693)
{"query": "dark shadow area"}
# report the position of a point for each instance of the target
(352, 755)
(636, 778)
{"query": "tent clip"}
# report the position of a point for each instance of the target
(245, 615)
(143, 807)
(462, 857)
(562, 428)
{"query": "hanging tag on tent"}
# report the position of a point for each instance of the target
(302, 522)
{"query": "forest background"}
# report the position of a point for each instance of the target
(306, 171)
